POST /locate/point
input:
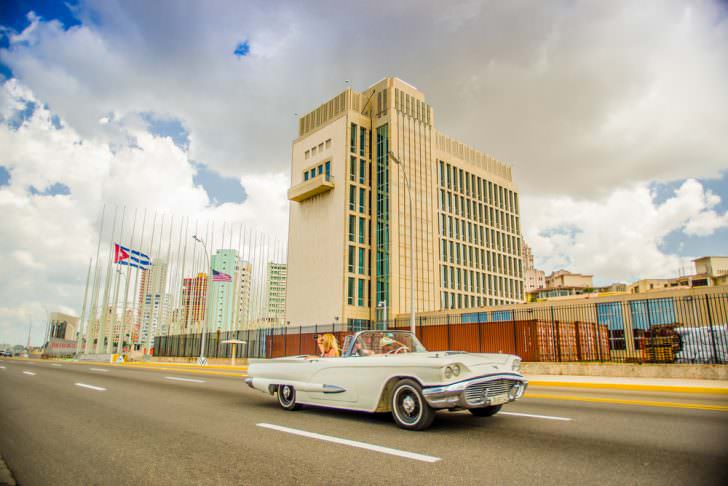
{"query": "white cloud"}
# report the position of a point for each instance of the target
(45, 241)
(618, 237)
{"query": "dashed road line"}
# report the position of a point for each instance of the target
(191, 380)
(28, 373)
(91, 387)
(531, 415)
(352, 443)
(99, 369)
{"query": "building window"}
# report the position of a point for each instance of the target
(351, 259)
(328, 143)
(352, 224)
(352, 198)
(350, 291)
(361, 230)
(361, 261)
(307, 154)
(305, 176)
(327, 169)
(353, 138)
(362, 198)
(362, 140)
(313, 173)
(360, 294)
(320, 169)
(352, 168)
(362, 171)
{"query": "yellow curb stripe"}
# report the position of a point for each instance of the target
(631, 387)
(643, 403)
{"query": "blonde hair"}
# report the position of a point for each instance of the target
(329, 342)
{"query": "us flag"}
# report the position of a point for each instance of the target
(220, 277)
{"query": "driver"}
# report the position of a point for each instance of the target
(389, 345)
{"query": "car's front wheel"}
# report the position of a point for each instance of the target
(485, 411)
(287, 397)
(409, 408)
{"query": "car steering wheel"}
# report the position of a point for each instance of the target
(399, 350)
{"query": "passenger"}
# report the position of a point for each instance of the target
(328, 346)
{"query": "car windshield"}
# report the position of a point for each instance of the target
(370, 343)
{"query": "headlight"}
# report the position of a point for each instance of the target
(447, 372)
(455, 369)
(516, 366)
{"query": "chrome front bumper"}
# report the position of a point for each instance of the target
(483, 391)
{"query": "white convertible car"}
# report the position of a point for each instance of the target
(390, 371)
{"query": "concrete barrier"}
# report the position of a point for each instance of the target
(646, 370)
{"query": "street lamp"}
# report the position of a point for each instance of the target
(382, 304)
(202, 360)
(412, 243)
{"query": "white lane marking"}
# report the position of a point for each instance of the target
(2, 367)
(352, 443)
(99, 369)
(191, 380)
(56, 365)
(84, 385)
(547, 417)
(29, 373)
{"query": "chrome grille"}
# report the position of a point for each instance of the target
(476, 394)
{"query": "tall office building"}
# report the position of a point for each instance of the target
(275, 285)
(349, 233)
(194, 303)
(222, 297)
(245, 276)
(153, 301)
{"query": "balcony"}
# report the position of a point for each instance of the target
(312, 187)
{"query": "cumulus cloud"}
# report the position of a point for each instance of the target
(618, 237)
(46, 239)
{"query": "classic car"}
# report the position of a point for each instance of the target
(390, 371)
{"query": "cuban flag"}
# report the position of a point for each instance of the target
(220, 277)
(132, 258)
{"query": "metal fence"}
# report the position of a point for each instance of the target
(685, 329)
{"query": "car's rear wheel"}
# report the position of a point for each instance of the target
(287, 397)
(409, 407)
(485, 411)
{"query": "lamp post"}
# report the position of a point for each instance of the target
(201, 360)
(412, 243)
(382, 304)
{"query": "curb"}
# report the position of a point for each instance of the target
(631, 387)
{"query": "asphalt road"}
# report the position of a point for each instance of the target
(141, 426)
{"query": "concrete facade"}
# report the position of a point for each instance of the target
(62, 326)
(349, 233)
(275, 295)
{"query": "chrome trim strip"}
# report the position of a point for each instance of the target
(249, 382)
(453, 395)
(333, 389)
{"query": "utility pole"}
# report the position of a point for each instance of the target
(412, 243)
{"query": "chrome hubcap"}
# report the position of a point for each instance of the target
(286, 393)
(408, 404)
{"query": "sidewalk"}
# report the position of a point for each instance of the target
(628, 383)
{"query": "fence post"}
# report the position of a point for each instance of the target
(285, 340)
(480, 335)
(448, 332)
(300, 338)
(515, 332)
(712, 333)
(557, 351)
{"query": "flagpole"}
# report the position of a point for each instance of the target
(138, 286)
(115, 305)
(105, 301)
(83, 310)
(146, 321)
(122, 327)
(94, 288)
